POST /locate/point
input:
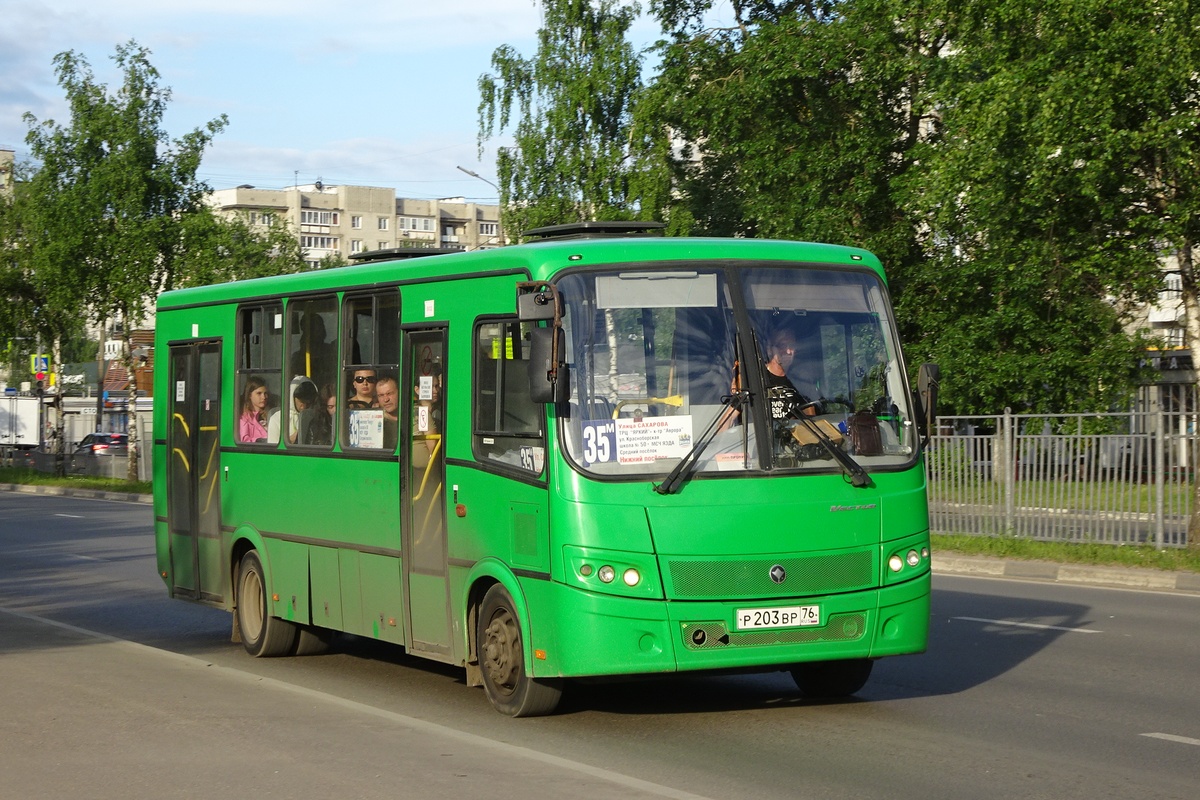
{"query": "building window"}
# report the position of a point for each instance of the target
(381, 245)
(383, 223)
(318, 218)
(356, 246)
(319, 242)
(356, 222)
(488, 228)
(416, 224)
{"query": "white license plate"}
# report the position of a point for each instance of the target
(746, 619)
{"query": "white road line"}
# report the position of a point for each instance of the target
(413, 723)
(1028, 625)
(70, 516)
(1172, 738)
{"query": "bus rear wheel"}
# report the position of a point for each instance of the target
(262, 634)
(502, 661)
(830, 679)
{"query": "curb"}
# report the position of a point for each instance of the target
(90, 494)
(1075, 574)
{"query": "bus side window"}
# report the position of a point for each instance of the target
(371, 355)
(257, 385)
(508, 426)
(311, 370)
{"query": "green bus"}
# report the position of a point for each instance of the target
(601, 453)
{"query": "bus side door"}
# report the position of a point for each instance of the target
(423, 511)
(193, 471)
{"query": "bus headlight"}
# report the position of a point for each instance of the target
(616, 572)
(631, 577)
(606, 574)
(913, 558)
(895, 563)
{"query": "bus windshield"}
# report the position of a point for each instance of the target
(660, 358)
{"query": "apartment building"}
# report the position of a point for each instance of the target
(346, 220)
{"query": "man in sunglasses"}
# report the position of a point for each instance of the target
(362, 384)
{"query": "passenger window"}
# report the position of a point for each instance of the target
(312, 371)
(370, 370)
(259, 352)
(508, 426)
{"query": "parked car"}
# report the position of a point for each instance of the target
(95, 452)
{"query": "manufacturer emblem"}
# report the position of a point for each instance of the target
(778, 574)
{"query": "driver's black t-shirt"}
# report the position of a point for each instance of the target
(784, 400)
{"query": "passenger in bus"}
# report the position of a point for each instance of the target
(321, 430)
(362, 388)
(252, 422)
(387, 393)
(304, 411)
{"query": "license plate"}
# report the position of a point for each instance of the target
(746, 619)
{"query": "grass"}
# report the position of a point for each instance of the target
(1101, 555)
(32, 477)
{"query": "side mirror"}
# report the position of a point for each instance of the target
(928, 379)
(536, 302)
(549, 380)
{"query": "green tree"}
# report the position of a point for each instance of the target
(219, 248)
(797, 120)
(574, 157)
(1045, 197)
(110, 199)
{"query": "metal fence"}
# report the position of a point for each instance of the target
(1109, 478)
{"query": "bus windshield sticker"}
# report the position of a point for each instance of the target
(366, 427)
(641, 441)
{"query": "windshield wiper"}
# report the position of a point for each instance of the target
(675, 478)
(858, 476)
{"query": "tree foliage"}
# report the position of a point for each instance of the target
(112, 212)
(569, 107)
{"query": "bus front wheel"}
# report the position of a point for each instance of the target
(502, 661)
(830, 679)
(262, 634)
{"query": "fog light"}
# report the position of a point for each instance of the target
(606, 574)
(914, 558)
(585, 570)
(631, 577)
(896, 563)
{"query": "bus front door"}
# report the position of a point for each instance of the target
(424, 503)
(193, 467)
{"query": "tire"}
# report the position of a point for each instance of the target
(262, 635)
(502, 661)
(831, 679)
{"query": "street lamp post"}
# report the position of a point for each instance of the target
(499, 202)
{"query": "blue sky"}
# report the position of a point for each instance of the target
(368, 93)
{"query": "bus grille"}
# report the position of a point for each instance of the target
(746, 578)
(711, 635)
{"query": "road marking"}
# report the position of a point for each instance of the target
(1170, 737)
(1028, 625)
(412, 723)
(70, 516)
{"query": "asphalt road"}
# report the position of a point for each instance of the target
(109, 689)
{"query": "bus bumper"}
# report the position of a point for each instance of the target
(605, 635)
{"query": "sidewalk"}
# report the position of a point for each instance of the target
(1079, 574)
(66, 491)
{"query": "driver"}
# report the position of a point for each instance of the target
(783, 398)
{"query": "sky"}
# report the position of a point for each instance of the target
(365, 93)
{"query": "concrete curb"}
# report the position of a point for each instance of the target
(66, 491)
(1078, 574)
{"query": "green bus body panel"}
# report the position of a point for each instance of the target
(330, 525)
